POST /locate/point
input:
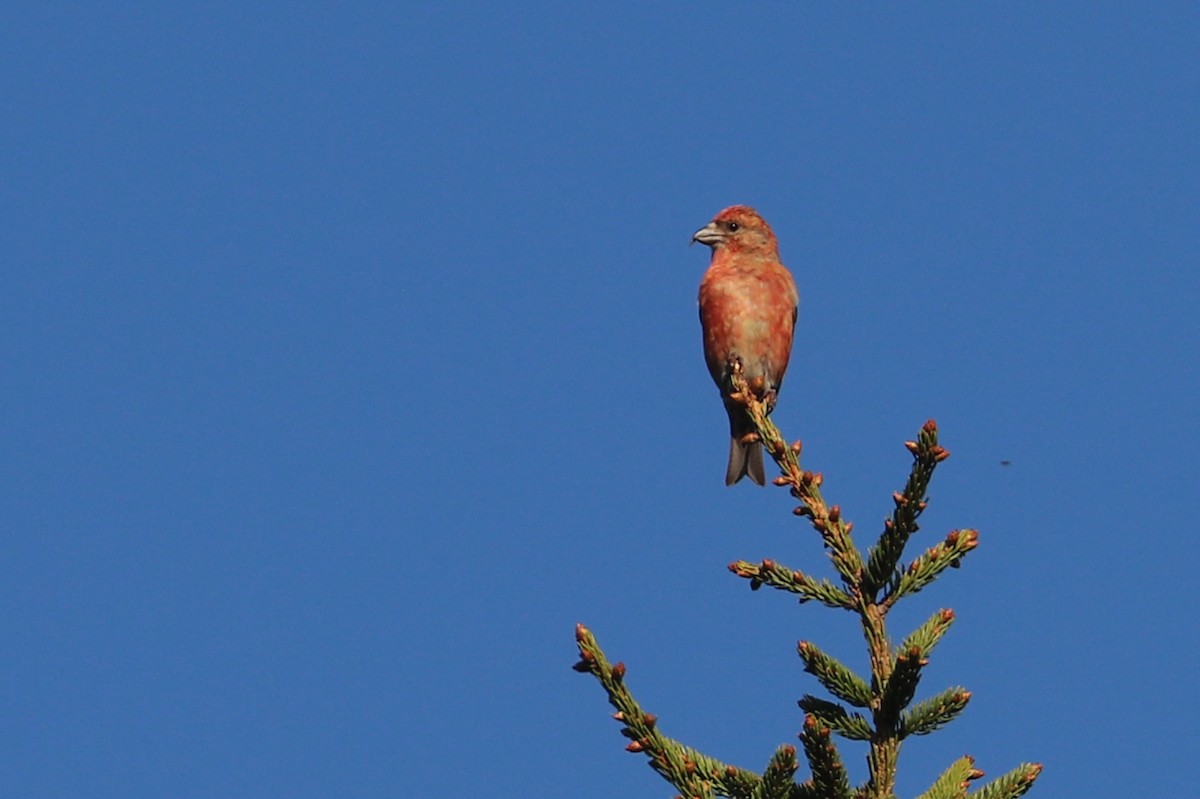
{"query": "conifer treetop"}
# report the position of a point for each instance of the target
(880, 710)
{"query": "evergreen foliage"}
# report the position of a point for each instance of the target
(869, 587)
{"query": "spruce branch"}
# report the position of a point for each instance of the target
(1013, 784)
(954, 781)
(777, 781)
(829, 778)
(926, 637)
(852, 726)
(938, 711)
(901, 685)
(692, 773)
(895, 672)
(805, 486)
(870, 587)
(776, 575)
(838, 679)
(881, 563)
(925, 569)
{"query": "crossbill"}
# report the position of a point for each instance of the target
(748, 304)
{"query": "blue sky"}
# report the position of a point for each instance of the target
(352, 358)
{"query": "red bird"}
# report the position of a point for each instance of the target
(748, 303)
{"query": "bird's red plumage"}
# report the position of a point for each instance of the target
(748, 303)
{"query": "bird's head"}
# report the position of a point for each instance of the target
(739, 229)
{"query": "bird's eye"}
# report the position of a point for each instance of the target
(732, 227)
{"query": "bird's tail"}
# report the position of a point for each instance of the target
(744, 459)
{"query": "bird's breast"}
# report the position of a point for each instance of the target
(748, 310)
